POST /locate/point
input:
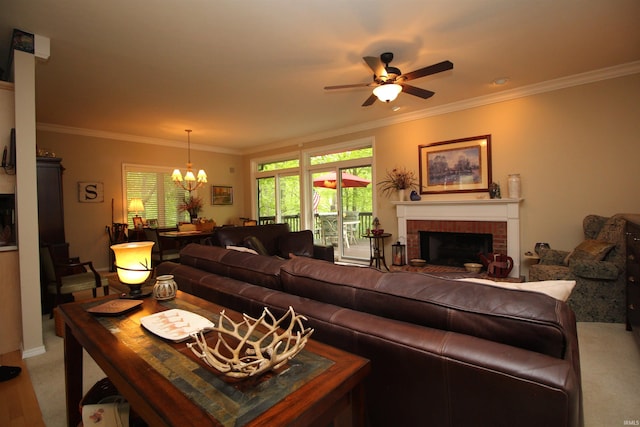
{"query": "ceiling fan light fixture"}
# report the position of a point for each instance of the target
(387, 92)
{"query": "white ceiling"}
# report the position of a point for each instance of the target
(245, 74)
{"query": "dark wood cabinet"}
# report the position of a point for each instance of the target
(50, 206)
(633, 278)
(50, 216)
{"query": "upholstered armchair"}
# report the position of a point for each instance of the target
(598, 267)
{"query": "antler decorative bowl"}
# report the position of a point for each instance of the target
(242, 352)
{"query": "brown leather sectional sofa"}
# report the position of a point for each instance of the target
(443, 352)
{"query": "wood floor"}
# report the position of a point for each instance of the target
(18, 403)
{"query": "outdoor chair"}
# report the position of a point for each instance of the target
(329, 229)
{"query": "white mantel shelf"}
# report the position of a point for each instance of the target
(507, 210)
(458, 202)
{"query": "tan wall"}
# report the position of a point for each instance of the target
(576, 149)
(96, 159)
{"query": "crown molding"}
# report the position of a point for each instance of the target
(46, 127)
(506, 95)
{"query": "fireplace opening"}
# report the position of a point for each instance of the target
(453, 249)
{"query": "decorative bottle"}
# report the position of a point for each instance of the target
(514, 186)
(165, 287)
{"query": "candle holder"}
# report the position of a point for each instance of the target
(398, 254)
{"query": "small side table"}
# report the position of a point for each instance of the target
(376, 249)
(530, 256)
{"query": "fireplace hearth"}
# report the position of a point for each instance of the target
(498, 217)
(453, 249)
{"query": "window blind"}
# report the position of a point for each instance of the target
(160, 196)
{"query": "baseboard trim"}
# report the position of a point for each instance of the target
(36, 351)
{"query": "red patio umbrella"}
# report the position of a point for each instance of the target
(328, 180)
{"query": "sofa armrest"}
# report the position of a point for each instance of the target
(552, 257)
(601, 270)
(323, 252)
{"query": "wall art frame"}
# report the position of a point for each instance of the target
(90, 192)
(221, 195)
(455, 166)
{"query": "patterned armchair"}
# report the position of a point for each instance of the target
(598, 267)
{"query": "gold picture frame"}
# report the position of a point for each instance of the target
(221, 195)
(456, 166)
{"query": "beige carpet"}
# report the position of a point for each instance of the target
(610, 361)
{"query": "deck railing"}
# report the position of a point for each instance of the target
(365, 218)
(292, 220)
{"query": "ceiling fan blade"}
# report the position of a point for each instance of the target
(426, 71)
(347, 86)
(376, 66)
(416, 91)
(370, 100)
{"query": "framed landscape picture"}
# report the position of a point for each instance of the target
(221, 195)
(456, 166)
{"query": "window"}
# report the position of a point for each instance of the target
(160, 196)
(279, 178)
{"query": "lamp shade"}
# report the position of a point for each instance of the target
(135, 205)
(189, 176)
(387, 92)
(133, 261)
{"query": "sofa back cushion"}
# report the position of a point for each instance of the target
(524, 319)
(256, 269)
(267, 234)
(519, 318)
(297, 243)
(327, 282)
(613, 231)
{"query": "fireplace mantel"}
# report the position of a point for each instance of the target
(506, 210)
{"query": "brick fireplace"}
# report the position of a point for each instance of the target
(498, 217)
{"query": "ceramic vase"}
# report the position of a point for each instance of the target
(165, 287)
(402, 195)
(514, 186)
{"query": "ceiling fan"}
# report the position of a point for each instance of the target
(388, 81)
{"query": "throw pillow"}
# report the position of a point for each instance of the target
(589, 250)
(252, 242)
(241, 249)
(558, 289)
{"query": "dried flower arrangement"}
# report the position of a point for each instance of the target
(397, 179)
(193, 205)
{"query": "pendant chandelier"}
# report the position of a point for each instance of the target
(190, 181)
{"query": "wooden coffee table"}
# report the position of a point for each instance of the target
(168, 386)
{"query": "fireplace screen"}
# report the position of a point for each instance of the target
(453, 249)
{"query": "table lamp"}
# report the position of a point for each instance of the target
(136, 206)
(133, 264)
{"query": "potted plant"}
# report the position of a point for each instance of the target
(193, 205)
(398, 180)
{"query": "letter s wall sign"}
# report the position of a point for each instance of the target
(90, 192)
